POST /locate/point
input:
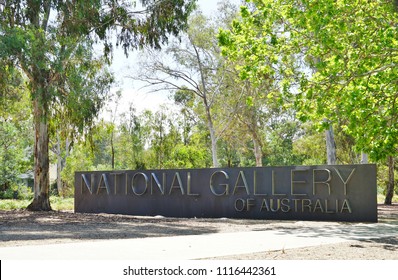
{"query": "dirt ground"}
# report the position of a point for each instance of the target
(18, 228)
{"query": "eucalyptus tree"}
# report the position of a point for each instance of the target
(189, 66)
(195, 67)
(52, 42)
(355, 46)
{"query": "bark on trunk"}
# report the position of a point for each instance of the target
(213, 138)
(364, 158)
(258, 151)
(330, 146)
(390, 186)
(61, 159)
(59, 179)
(203, 95)
(59, 165)
(41, 201)
(112, 153)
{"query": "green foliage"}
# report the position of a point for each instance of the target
(233, 154)
(24, 192)
(19, 191)
(183, 156)
(280, 149)
(62, 204)
(79, 160)
(338, 58)
(10, 155)
(311, 146)
(141, 141)
(15, 127)
(333, 61)
(172, 146)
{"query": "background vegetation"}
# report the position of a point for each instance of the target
(263, 91)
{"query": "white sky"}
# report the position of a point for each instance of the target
(131, 92)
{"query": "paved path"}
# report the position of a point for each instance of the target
(201, 246)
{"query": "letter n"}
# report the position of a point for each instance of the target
(86, 183)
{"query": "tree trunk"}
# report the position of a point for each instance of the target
(258, 153)
(214, 147)
(61, 160)
(330, 146)
(112, 153)
(41, 200)
(390, 186)
(59, 165)
(203, 95)
(213, 138)
(59, 179)
(364, 158)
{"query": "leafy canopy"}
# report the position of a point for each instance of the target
(337, 57)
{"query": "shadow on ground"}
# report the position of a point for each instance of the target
(384, 232)
(25, 226)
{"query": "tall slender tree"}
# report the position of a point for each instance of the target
(52, 42)
(193, 67)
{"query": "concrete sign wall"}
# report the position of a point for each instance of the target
(325, 193)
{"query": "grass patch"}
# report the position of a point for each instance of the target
(13, 204)
(57, 203)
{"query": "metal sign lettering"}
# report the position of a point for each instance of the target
(325, 193)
